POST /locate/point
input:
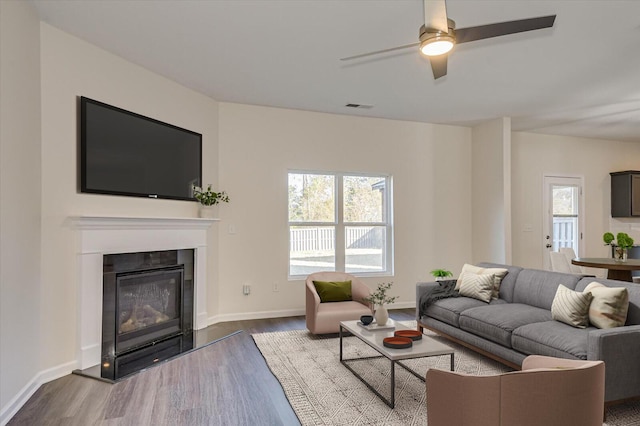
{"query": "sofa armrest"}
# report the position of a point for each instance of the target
(618, 348)
(424, 289)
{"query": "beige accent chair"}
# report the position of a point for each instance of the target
(547, 392)
(324, 318)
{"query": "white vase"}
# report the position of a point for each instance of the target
(381, 315)
(206, 211)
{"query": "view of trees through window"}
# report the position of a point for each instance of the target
(311, 198)
(327, 236)
(362, 199)
(565, 200)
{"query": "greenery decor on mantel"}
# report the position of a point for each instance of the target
(621, 243)
(441, 274)
(209, 198)
(380, 298)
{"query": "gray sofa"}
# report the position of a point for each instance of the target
(519, 323)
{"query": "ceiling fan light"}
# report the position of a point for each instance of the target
(438, 45)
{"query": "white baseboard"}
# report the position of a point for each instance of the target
(402, 305)
(255, 315)
(281, 314)
(12, 407)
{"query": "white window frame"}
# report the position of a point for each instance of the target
(339, 224)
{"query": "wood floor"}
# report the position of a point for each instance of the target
(225, 383)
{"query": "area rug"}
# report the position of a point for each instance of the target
(323, 392)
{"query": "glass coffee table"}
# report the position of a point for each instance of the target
(425, 347)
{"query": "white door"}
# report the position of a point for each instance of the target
(562, 215)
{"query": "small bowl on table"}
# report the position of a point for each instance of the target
(397, 342)
(366, 319)
(411, 334)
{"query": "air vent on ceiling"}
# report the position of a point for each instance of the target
(362, 106)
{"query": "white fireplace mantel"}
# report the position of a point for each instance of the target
(100, 235)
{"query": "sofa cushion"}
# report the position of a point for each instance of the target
(498, 275)
(448, 310)
(508, 283)
(477, 286)
(497, 322)
(633, 313)
(609, 306)
(571, 307)
(538, 288)
(333, 291)
(551, 338)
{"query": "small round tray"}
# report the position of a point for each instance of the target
(397, 342)
(411, 334)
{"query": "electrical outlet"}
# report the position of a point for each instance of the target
(275, 287)
(246, 289)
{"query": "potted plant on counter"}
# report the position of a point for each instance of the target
(380, 298)
(621, 243)
(208, 198)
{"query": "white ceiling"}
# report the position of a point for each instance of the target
(581, 77)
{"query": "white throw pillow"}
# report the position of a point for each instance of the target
(571, 307)
(609, 306)
(498, 273)
(478, 286)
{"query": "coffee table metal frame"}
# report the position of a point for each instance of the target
(423, 348)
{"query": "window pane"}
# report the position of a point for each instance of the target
(364, 198)
(565, 216)
(311, 249)
(365, 249)
(565, 200)
(311, 198)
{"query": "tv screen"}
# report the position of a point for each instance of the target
(123, 153)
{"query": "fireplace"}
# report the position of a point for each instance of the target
(147, 312)
(98, 236)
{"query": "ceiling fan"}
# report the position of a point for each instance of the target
(439, 35)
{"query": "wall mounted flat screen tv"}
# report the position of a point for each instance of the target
(124, 153)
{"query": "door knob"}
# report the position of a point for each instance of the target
(548, 246)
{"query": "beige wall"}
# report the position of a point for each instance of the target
(258, 145)
(533, 156)
(491, 195)
(72, 68)
(19, 201)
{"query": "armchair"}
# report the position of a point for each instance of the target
(324, 318)
(547, 391)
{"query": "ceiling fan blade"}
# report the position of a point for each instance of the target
(464, 35)
(439, 66)
(391, 49)
(435, 15)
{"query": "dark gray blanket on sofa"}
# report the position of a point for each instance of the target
(445, 290)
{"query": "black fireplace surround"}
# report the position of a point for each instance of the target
(147, 312)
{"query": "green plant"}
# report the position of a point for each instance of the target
(621, 240)
(209, 197)
(379, 297)
(441, 273)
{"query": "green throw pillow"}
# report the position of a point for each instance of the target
(333, 291)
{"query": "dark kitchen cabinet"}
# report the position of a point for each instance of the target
(625, 194)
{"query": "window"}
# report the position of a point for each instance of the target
(340, 222)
